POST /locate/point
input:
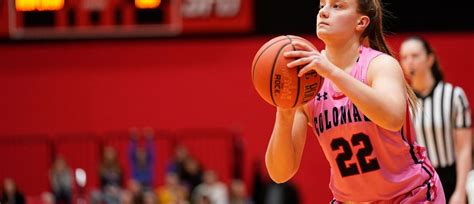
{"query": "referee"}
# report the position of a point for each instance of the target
(443, 120)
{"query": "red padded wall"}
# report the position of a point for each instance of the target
(27, 161)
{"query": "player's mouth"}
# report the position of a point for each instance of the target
(323, 23)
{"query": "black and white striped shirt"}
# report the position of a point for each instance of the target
(442, 111)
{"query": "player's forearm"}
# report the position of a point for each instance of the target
(280, 157)
(384, 109)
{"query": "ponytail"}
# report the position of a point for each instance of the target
(376, 39)
(374, 32)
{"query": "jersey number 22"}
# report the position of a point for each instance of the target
(346, 155)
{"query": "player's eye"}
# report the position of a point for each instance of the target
(321, 6)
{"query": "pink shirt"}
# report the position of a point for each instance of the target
(368, 162)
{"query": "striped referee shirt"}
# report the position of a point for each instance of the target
(442, 111)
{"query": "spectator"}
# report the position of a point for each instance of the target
(61, 181)
(47, 198)
(126, 198)
(172, 191)
(136, 191)
(142, 159)
(177, 163)
(191, 174)
(238, 193)
(266, 191)
(285, 193)
(149, 197)
(203, 200)
(211, 189)
(258, 193)
(111, 179)
(11, 194)
(186, 167)
(110, 172)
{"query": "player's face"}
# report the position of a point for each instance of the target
(414, 59)
(337, 19)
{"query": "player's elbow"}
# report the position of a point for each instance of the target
(279, 172)
(280, 178)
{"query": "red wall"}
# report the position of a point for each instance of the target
(92, 86)
(31, 160)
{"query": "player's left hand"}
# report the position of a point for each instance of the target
(457, 198)
(311, 59)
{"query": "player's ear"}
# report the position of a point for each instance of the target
(362, 23)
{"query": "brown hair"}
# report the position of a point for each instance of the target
(375, 36)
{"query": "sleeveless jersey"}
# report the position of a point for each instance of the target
(368, 162)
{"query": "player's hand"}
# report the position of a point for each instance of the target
(457, 198)
(311, 59)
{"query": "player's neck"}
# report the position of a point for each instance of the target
(423, 84)
(343, 55)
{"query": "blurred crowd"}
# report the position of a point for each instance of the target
(185, 181)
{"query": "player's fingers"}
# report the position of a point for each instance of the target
(309, 67)
(323, 52)
(303, 46)
(297, 54)
(300, 61)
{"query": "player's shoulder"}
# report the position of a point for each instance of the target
(384, 60)
(384, 65)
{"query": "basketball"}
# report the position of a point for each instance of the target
(276, 83)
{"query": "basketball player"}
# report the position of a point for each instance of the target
(360, 115)
(443, 122)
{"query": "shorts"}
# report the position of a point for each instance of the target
(432, 193)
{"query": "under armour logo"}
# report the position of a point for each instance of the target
(324, 96)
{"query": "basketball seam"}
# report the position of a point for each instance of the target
(273, 69)
(263, 51)
(299, 82)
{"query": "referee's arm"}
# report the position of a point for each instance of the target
(462, 140)
(463, 146)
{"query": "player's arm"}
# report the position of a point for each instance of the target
(286, 144)
(384, 100)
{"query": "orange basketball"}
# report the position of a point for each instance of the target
(275, 82)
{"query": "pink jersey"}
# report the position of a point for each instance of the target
(369, 163)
